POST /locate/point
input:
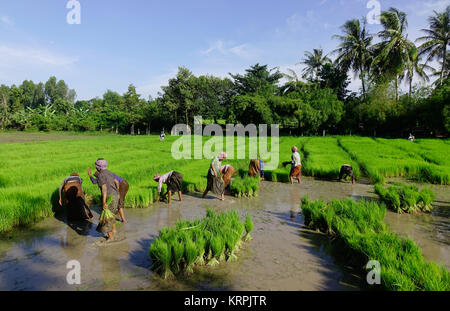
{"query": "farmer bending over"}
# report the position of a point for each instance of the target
(346, 170)
(215, 184)
(227, 172)
(109, 186)
(123, 188)
(77, 209)
(173, 180)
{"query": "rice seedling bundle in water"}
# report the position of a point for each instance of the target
(360, 235)
(406, 199)
(210, 240)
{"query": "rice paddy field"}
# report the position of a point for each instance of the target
(31, 172)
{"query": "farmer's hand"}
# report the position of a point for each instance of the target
(105, 207)
(60, 202)
(89, 172)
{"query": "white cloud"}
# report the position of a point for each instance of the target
(227, 48)
(15, 56)
(426, 8)
(6, 20)
(299, 22)
(153, 85)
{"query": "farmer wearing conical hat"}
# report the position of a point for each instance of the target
(173, 180)
(123, 186)
(215, 183)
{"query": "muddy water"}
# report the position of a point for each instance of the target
(430, 231)
(282, 255)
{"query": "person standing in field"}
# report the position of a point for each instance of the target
(123, 188)
(173, 180)
(346, 170)
(227, 172)
(74, 201)
(109, 187)
(215, 184)
(162, 135)
(296, 166)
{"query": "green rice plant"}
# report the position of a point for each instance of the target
(177, 254)
(244, 187)
(360, 235)
(161, 255)
(406, 199)
(28, 193)
(190, 255)
(248, 227)
(217, 247)
(211, 239)
(200, 243)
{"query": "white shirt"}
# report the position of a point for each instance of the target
(296, 159)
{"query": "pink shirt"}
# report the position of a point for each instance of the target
(163, 179)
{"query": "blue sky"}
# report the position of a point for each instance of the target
(144, 41)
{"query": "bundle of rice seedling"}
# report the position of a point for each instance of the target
(361, 235)
(177, 254)
(406, 199)
(190, 254)
(248, 227)
(161, 256)
(212, 239)
(105, 217)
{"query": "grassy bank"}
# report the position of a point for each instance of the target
(362, 236)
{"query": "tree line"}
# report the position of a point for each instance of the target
(312, 102)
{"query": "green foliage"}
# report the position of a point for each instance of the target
(244, 186)
(213, 239)
(359, 230)
(248, 227)
(406, 199)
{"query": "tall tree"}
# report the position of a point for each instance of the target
(415, 68)
(178, 95)
(393, 53)
(4, 106)
(436, 40)
(257, 79)
(354, 49)
(314, 61)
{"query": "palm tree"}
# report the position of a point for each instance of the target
(353, 51)
(314, 61)
(293, 81)
(414, 67)
(437, 39)
(394, 51)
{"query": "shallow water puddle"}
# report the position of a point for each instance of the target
(281, 256)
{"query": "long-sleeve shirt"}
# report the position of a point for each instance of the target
(295, 159)
(95, 181)
(163, 179)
